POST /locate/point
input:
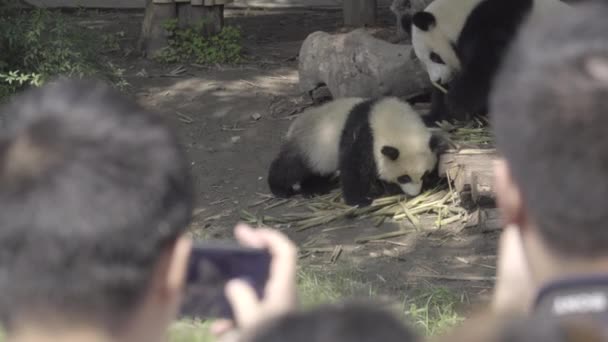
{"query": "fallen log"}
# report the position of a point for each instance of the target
(358, 64)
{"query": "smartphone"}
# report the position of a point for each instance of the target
(212, 264)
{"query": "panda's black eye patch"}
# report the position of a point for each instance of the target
(435, 58)
(404, 179)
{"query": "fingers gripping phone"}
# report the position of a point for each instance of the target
(212, 264)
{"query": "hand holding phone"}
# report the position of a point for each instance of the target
(279, 296)
(212, 265)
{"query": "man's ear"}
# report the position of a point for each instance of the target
(178, 265)
(172, 267)
(508, 195)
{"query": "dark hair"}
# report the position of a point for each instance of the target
(351, 322)
(549, 107)
(92, 188)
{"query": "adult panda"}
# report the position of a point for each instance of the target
(376, 146)
(461, 44)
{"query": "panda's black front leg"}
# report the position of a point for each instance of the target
(439, 109)
(358, 173)
(315, 185)
(357, 186)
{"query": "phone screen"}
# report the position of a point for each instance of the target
(212, 264)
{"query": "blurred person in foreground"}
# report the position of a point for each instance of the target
(345, 322)
(549, 110)
(509, 328)
(95, 198)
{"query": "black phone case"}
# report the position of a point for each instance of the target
(212, 264)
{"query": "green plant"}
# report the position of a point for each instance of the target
(110, 42)
(40, 44)
(433, 311)
(189, 45)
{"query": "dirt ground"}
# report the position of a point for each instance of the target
(231, 120)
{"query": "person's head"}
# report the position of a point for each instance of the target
(549, 110)
(96, 196)
(351, 322)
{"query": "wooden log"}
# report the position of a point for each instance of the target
(209, 19)
(358, 13)
(471, 173)
(482, 188)
(154, 37)
(486, 220)
(458, 165)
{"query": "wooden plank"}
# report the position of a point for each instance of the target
(358, 13)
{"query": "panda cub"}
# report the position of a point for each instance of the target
(375, 145)
(461, 44)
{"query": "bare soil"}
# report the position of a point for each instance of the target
(231, 120)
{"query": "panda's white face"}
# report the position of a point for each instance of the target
(407, 168)
(412, 188)
(404, 148)
(434, 48)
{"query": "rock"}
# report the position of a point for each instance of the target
(357, 64)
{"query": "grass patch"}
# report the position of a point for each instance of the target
(190, 331)
(315, 287)
(188, 45)
(431, 311)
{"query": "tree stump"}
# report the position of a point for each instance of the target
(154, 37)
(358, 13)
(209, 19)
(204, 15)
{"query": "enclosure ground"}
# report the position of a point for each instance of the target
(231, 120)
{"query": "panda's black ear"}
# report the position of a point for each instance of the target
(390, 152)
(424, 20)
